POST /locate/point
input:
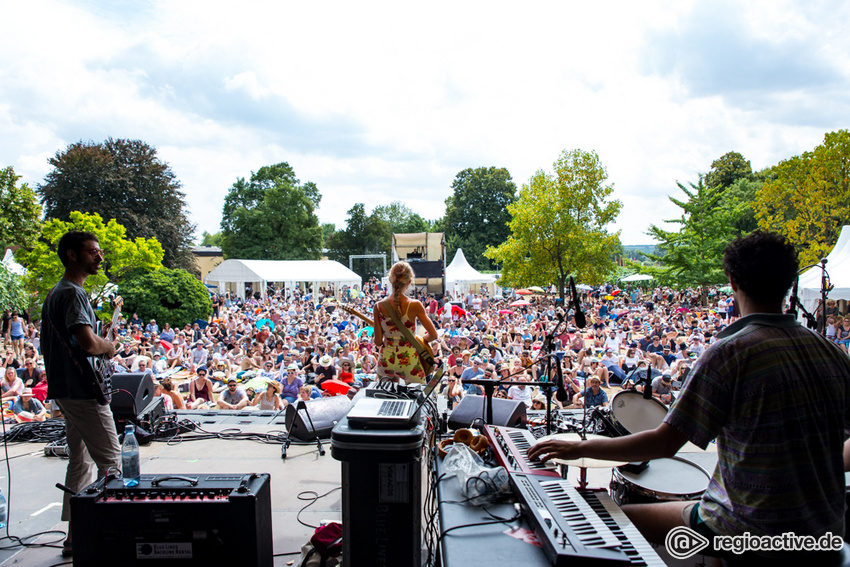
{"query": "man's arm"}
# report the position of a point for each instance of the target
(91, 343)
(663, 441)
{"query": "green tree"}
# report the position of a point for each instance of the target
(271, 217)
(558, 226)
(728, 169)
(172, 296)
(363, 234)
(328, 230)
(400, 219)
(208, 239)
(123, 180)
(19, 211)
(477, 214)
(13, 295)
(122, 255)
(807, 197)
(693, 254)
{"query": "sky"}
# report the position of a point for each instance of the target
(388, 101)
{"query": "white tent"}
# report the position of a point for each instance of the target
(460, 277)
(637, 278)
(12, 265)
(287, 273)
(838, 268)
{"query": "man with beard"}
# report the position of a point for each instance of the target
(68, 324)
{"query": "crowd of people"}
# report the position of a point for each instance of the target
(269, 352)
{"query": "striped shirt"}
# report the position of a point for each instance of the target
(775, 396)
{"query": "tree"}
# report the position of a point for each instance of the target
(728, 169)
(169, 296)
(477, 213)
(122, 255)
(208, 239)
(807, 197)
(400, 219)
(126, 181)
(328, 230)
(19, 211)
(693, 254)
(558, 226)
(271, 217)
(364, 234)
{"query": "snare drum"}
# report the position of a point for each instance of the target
(634, 413)
(664, 480)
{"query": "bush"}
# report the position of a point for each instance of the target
(169, 296)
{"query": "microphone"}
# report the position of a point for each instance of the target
(562, 393)
(581, 320)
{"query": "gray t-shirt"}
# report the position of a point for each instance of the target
(68, 372)
(235, 396)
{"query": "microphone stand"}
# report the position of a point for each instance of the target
(303, 406)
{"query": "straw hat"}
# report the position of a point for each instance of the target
(274, 384)
(325, 361)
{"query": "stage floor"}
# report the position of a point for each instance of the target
(36, 503)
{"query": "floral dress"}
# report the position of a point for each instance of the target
(399, 359)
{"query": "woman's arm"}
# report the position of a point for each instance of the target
(378, 333)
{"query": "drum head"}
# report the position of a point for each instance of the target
(670, 476)
(635, 413)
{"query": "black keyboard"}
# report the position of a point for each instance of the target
(576, 527)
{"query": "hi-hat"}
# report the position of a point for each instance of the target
(581, 462)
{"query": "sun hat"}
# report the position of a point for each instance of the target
(325, 361)
(219, 374)
(274, 384)
(292, 366)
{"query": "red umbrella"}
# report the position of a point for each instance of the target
(166, 344)
(616, 292)
(520, 303)
(505, 312)
(456, 310)
(523, 292)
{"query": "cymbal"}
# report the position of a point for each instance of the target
(581, 462)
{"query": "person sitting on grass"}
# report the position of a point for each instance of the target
(270, 399)
(234, 397)
(592, 396)
(27, 408)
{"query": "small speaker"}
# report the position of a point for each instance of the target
(323, 412)
(132, 393)
(507, 413)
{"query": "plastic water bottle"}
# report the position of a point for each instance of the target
(130, 457)
(3, 517)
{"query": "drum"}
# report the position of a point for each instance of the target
(664, 480)
(634, 413)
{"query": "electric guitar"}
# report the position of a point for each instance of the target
(427, 365)
(101, 364)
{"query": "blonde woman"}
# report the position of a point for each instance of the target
(399, 359)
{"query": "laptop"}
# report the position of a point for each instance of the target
(389, 413)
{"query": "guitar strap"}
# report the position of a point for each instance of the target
(424, 355)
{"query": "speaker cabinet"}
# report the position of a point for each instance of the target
(324, 413)
(508, 413)
(132, 393)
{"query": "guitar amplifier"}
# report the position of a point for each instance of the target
(206, 519)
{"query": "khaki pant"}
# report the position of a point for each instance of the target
(92, 440)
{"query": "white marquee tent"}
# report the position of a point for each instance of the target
(288, 274)
(838, 268)
(460, 277)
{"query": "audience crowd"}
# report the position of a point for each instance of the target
(269, 352)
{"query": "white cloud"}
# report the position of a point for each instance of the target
(383, 101)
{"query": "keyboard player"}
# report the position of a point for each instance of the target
(775, 396)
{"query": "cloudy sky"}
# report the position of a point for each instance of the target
(376, 102)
